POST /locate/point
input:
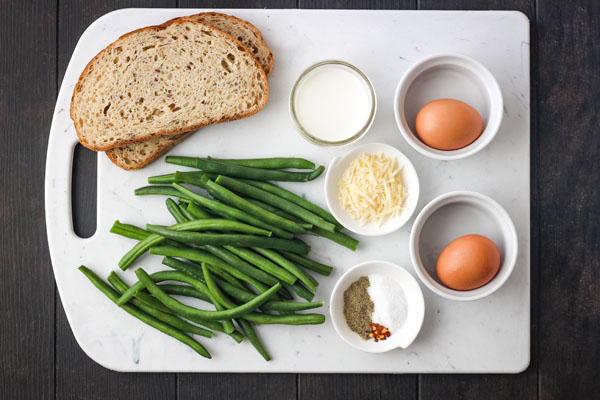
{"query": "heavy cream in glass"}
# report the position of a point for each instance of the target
(332, 103)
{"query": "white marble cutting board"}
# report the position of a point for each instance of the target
(489, 335)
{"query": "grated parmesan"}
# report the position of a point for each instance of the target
(371, 189)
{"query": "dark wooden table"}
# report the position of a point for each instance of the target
(39, 358)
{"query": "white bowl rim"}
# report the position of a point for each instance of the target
(390, 225)
(387, 346)
(477, 145)
(443, 291)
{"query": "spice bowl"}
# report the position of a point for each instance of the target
(335, 171)
(415, 307)
(451, 216)
(448, 76)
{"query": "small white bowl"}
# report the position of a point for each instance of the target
(451, 216)
(335, 171)
(414, 302)
(448, 76)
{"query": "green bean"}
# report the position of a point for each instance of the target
(240, 264)
(144, 317)
(289, 266)
(260, 174)
(184, 310)
(177, 176)
(267, 163)
(294, 198)
(271, 305)
(161, 179)
(309, 264)
(285, 294)
(215, 285)
(215, 224)
(227, 323)
(158, 277)
(195, 271)
(294, 319)
(281, 213)
(161, 276)
(221, 193)
(230, 212)
(275, 201)
(241, 295)
(338, 237)
(183, 207)
(290, 306)
(133, 232)
(174, 210)
(187, 268)
(225, 302)
(164, 190)
(291, 319)
(294, 246)
(253, 338)
(140, 248)
(198, 212)
(184, 290)
(263, 264)
(214, 290)
(167, 318)
(143, 297)
(129, 231)
(202, 256)
(301, 291)
(196, 180)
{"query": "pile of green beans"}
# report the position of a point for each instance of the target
(234, 248)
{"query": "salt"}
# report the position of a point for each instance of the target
(390, 307)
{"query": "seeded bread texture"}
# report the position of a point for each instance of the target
(165, 80)
(138, 155)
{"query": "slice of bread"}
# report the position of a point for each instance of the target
(243, 31)
(165, 80)
(138, 155)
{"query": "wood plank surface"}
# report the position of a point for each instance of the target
(27, 94)
(569, 128)
(77, 376)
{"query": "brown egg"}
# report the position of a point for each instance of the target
(468, 262)
(448, 124)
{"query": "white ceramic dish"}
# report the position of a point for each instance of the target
(451, 216)
(414, 300)
(452, 76)
(335, 171)
(368, 86)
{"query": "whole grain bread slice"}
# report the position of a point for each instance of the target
(165, 80)
(138, 155)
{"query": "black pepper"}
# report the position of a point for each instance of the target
(358, 307)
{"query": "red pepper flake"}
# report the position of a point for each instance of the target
(379, 332)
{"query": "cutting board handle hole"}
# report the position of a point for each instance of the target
(84, 191)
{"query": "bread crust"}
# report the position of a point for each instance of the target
(158, 28)
(152, 156)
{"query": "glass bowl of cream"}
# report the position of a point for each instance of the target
(333, 103)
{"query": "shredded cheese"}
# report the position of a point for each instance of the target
(372, 190)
